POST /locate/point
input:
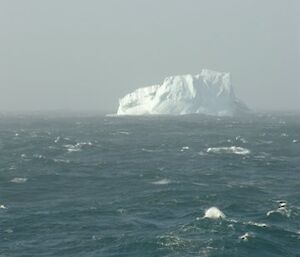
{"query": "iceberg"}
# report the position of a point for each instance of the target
(209, 92)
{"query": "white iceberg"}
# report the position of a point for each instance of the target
(209, 92)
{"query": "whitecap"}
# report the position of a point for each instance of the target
(72, 148)
(243, 140)
(262, 225)
(246, 236)
(229, 150)
(184, 148)
(295, 141)
(61, 161)
(267, 142)
(214, 213)
(282, 210)
(162, 182)
(124, 133)
(206, 251)
(77, 147)
(201, 153)
(149, 150)
(83, 144)
(121, 211)
(39, 156)
(199, 184)
(171, 241)
(19, 180)
(3, 206)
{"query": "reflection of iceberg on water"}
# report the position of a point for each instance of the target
(209, 92)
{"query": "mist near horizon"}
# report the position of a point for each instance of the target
(76, 55)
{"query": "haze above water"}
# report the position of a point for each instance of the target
(77, 55)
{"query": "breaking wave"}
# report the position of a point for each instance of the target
(19, 180)
(162, 182)
(229, 150)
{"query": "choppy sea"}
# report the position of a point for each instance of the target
(140, 186)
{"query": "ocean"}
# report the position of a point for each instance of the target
(141, 186)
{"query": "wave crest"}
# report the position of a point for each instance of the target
(229, 150)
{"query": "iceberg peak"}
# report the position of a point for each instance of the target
(209, 92)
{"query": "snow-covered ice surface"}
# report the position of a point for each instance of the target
(209, 92)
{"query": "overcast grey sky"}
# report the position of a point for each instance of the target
(84, 55)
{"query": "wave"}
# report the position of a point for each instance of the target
(61, 160)
(246, 236)
(261, 225)
(123, 133)
(151, 150)
(241, 139)
(282, 210)
(229, 150)
(77, 147)
(162, 182)
(184, 148)
(2, 206)
(19, 180)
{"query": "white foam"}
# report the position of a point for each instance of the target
(184, 148)
(245, 237)
(57, 140)
(201, 153)
(72, 148)
(243, 140)
(3, 206)
(19, 180)
(39, 156)
(171, 241)
(84, 143)
(262, 225)
(162, 182)
(282, 210)
(61, 161)
(124, 133)
(214, 213)
(149, 150)
(229, 150)
(77, 147)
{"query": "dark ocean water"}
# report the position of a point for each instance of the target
(139, 186)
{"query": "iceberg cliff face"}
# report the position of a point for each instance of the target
(209, 92)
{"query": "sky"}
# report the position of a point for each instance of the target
(85, 55)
